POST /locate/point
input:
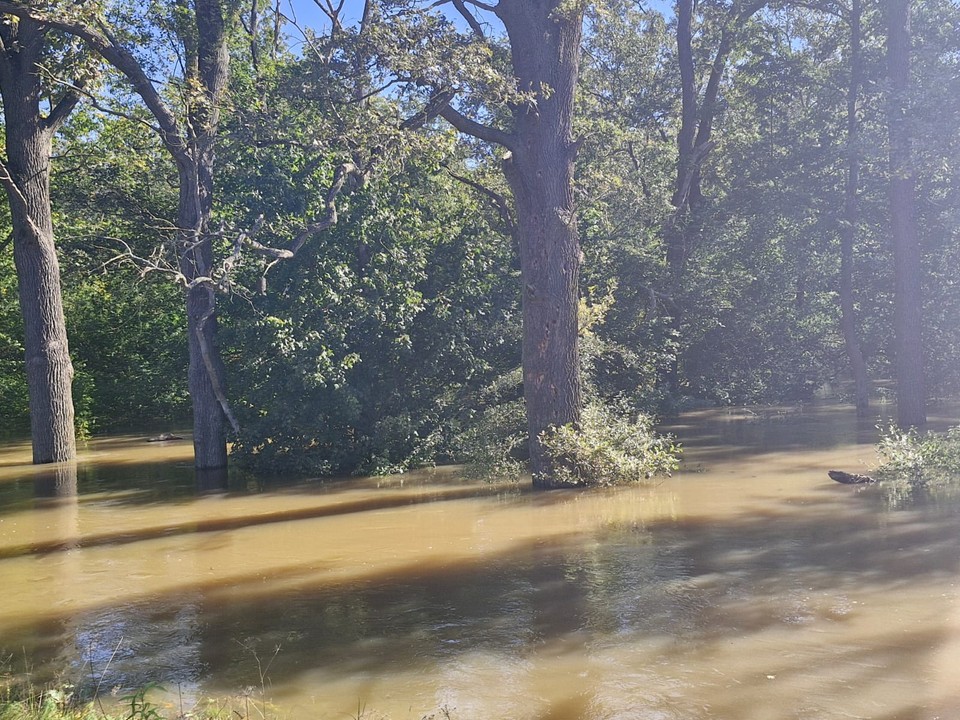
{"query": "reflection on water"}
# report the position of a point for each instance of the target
(748, 586)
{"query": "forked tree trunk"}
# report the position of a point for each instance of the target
(848, 235)
(545, 50)
(26, 178)
(908, 301)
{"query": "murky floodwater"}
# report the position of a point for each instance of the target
(749, 586)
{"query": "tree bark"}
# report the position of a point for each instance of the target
(908, 301)
(545, 51)
(209, 66)
(545, 55)
(26, 178)
(196, 261)
(848, 235)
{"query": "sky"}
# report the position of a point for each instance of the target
(307, 13)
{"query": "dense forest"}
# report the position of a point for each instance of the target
(350, 238)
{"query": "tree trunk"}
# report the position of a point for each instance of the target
(209, 67)
(545, 49)
(848, 235)
(908, 302)
(26, 177)
(209, 431)
(190, 142)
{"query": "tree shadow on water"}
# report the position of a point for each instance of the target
(703, 583)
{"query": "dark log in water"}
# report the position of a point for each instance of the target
(850, 478)
(164, 437)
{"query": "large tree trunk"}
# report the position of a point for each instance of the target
(26, 178)
(545, 48)
(209, 431)
(209, 67)
(908, 302)
(848, 235)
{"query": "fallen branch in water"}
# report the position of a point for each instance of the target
(850, 478)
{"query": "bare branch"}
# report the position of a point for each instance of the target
(468, 16)
(499, 200)
(482, 5)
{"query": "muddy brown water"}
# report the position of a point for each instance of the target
(748, 586)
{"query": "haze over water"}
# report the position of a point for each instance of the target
(748, 586)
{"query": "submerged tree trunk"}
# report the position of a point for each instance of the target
(26, 178)
(545, 49)
(190, 142)
(209, 69)
(908, 302)
(545, 54)
(196, 261)
(848, 235)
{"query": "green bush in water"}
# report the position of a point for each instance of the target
(919, 459)
(610, 447)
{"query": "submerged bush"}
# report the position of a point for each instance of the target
(919, 459)
(494, 445)
(610, 447)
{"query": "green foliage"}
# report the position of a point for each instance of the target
(139, 708)
(392, 340)
(15, 419)
(127, 333)
(611, 447)
(373, 339)
(919, 459)
(492, 438)
(20, 700)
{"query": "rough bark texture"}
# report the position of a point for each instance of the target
(545, 51)
(911, 395)
(209, 65)
(848, 236)
(26, 178)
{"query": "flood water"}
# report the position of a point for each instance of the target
(748, 586)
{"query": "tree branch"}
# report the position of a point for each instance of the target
(697, 156)
(61, 111)
(468, 16)
(482, 5)
(17, 199)
(434, 108)
(109, 48)
(499, 200)
(478, 130)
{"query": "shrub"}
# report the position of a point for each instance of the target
(493, 445)
(610, 447)
(919, 459)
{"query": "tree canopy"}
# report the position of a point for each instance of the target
(407, 233)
